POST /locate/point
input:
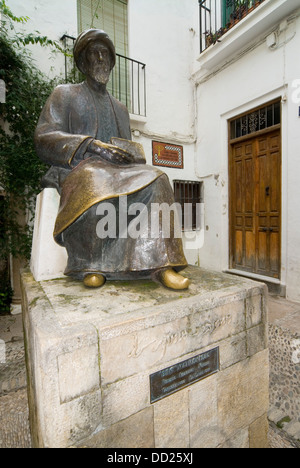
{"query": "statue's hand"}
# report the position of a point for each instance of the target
(110, 153)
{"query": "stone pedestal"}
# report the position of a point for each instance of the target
(90, 354)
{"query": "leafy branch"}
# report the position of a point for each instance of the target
(20, 169)
(8, 14)
(31, 38)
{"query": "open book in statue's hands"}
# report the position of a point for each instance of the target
(136, 150)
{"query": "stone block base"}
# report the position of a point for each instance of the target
(90, 354)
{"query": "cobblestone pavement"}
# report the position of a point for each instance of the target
(284, 347)
(284, 416)
(14, 431)
(14, 424)
(278, 440)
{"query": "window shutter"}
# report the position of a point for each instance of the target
(109, 15)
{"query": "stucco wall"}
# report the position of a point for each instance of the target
(52, 19)
(250, 80)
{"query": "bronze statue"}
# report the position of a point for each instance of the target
(84, 134)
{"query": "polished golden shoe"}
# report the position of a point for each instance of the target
(173, 280)
(94, 280)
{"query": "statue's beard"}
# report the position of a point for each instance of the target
(101, 74)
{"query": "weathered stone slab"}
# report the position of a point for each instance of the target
(171, 421)
(243, 393)
(137, 431)
(204, 407)
(90, 354)
(258, 433)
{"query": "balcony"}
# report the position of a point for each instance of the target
(127, 81)
(219, 16)
(229, 27)
(128, 84)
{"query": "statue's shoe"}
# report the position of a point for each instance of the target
(173, 280)
(94, 280)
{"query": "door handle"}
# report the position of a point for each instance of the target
(267, 191)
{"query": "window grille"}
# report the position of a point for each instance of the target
(255, 121)
(189, 194)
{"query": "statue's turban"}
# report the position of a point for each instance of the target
(85, 39)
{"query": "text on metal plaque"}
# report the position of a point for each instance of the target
(183, 374)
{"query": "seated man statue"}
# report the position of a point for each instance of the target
(84, 135)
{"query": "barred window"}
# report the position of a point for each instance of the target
(190, 195)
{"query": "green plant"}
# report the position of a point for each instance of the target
(20, 170)
(283, 421)
(6, 294)
(213, 38)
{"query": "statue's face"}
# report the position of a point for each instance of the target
(98, 62)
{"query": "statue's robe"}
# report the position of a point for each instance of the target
(73, 116)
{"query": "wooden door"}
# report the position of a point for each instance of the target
(255, 192)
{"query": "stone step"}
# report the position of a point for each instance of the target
(284, 432)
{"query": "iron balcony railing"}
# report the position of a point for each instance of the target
(128, 84)
(127, 81)
(218, 16)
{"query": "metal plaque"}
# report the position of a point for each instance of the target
(181, 375)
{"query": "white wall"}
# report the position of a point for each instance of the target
(52, 19)
(292, 169)
(257, 77)
(161, 34)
